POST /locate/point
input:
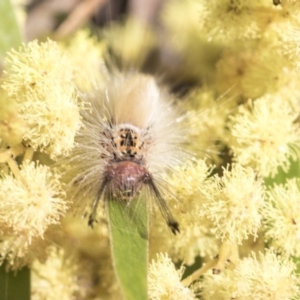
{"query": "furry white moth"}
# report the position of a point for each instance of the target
(127, 144)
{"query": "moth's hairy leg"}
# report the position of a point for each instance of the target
(93, 214)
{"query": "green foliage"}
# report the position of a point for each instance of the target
(129, 247)
(10, 35)
(14, 285)
(281, 176)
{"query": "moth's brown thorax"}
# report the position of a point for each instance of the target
(128, 142)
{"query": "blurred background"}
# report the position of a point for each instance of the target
(44, 16)
(139, 35)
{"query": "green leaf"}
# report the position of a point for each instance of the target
(14, 285)
(129, 243)
(281, 176)
(10, 35)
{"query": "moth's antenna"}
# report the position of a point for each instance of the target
(92, 216)
(166, 213)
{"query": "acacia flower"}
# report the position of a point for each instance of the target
(57, 277)
(282, 218)
(36, 66)
(287, 31)
(38, 78)
(188, 29)
(233, 203)
(131, 42)
(252, 73)
(196, 238)
(32, 202)
(205, 118)
(90, 70)
(17, 251)
(12, 125)
(266, 277)
(186, 48)
(220, 286)
(164, 280)
(228, 20)
(52, 124)
(290, 41)
(268, 71)
(265, 135)
(233, 65)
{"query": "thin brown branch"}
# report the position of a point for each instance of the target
(78, 17)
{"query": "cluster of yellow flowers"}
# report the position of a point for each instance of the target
(243, 129)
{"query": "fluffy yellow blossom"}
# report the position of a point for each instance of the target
(12, 125)
(36, 67)
(288, 22)
(252, 72)
(282, 217)
(265, 135)
(187, 180)
(228, 20)
(233, 65)
(195, 238)
(130, 42)
(190, 26)
(219, 286)
(38, 77)
(233, 203)
(266, 277)
(92, 65)
(285, 32)
(32, 202)
(55, 278)
(185, 38)
(93, 243)
(266, 62)
(164, 280)
(17, 251)
(269, 72)
(52, 124)
(93, 249)
(290, 41)
(205, 119)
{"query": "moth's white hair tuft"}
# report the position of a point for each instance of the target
(131, 104)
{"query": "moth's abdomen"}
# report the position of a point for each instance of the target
(125, 178)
